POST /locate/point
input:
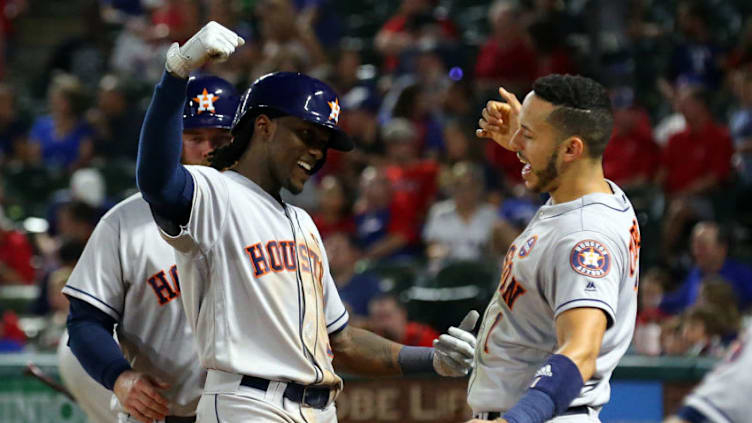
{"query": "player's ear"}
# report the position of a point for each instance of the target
(264, 127)
(574, 148)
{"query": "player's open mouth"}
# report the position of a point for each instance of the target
(527, 168)
(307, 167)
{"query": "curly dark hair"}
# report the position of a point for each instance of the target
(583, 109)
(226, 156)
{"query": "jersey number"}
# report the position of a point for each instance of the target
(634, 249)
(162, 288)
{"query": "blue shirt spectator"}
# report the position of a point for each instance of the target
(709, 247)
(59, 150)
(737, 274)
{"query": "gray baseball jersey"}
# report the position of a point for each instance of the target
(583, 253)
(129, 272)
(255, 283)
(723, 395)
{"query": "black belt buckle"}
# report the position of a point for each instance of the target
(316, 397)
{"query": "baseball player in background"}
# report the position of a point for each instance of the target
(723, 394)
(127, 276)
(254, 275)
(564, 311)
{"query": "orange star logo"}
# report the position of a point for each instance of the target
(334, 115)
(205, 102)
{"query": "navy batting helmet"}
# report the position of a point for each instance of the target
(292, 94)
(210, 103)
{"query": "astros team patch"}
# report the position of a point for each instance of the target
(590, 258)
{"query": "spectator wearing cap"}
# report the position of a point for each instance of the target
(86, 186)
(413, 184)
(710, 246)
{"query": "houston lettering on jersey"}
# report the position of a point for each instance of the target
(280, 256)
(162, 288)
(509, 289)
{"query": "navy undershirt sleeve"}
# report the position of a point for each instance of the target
(165, 184)
(90, 338)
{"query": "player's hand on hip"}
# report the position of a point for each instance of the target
(139, 395)
(455, 351)
(212, 42)
(500, 120)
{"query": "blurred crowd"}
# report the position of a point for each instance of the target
(418, 217)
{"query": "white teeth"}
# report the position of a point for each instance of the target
(305, 165)
(519, 156)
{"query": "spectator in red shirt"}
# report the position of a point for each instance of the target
(413, 22)
(632, 157)
(413, 180)
(15, 256)
(695, 162)
(388, 318)
(508, 57)
(334, 213)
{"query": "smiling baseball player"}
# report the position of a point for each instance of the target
(254, 275)
(127, 276)
(564, 311)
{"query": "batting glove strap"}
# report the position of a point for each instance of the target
(559, 381)
(416, 360)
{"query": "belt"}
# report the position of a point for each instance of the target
(180, 419)
(493, 415)
(314, 396)
(175, 419)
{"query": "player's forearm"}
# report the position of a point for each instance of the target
(361, 352)
(583, 358)
(92, 343)
(163, 181)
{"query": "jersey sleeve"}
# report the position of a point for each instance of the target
(208, 211)
(587, 273)
(97, 277)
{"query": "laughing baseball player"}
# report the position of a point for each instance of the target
(254, 276)
(564, 311)
(127, 276)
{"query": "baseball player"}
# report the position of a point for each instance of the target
(254, 276)
(127, 276)
(564, 311)
(723, 395)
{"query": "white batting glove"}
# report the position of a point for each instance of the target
(212, 42)
(454, 351)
